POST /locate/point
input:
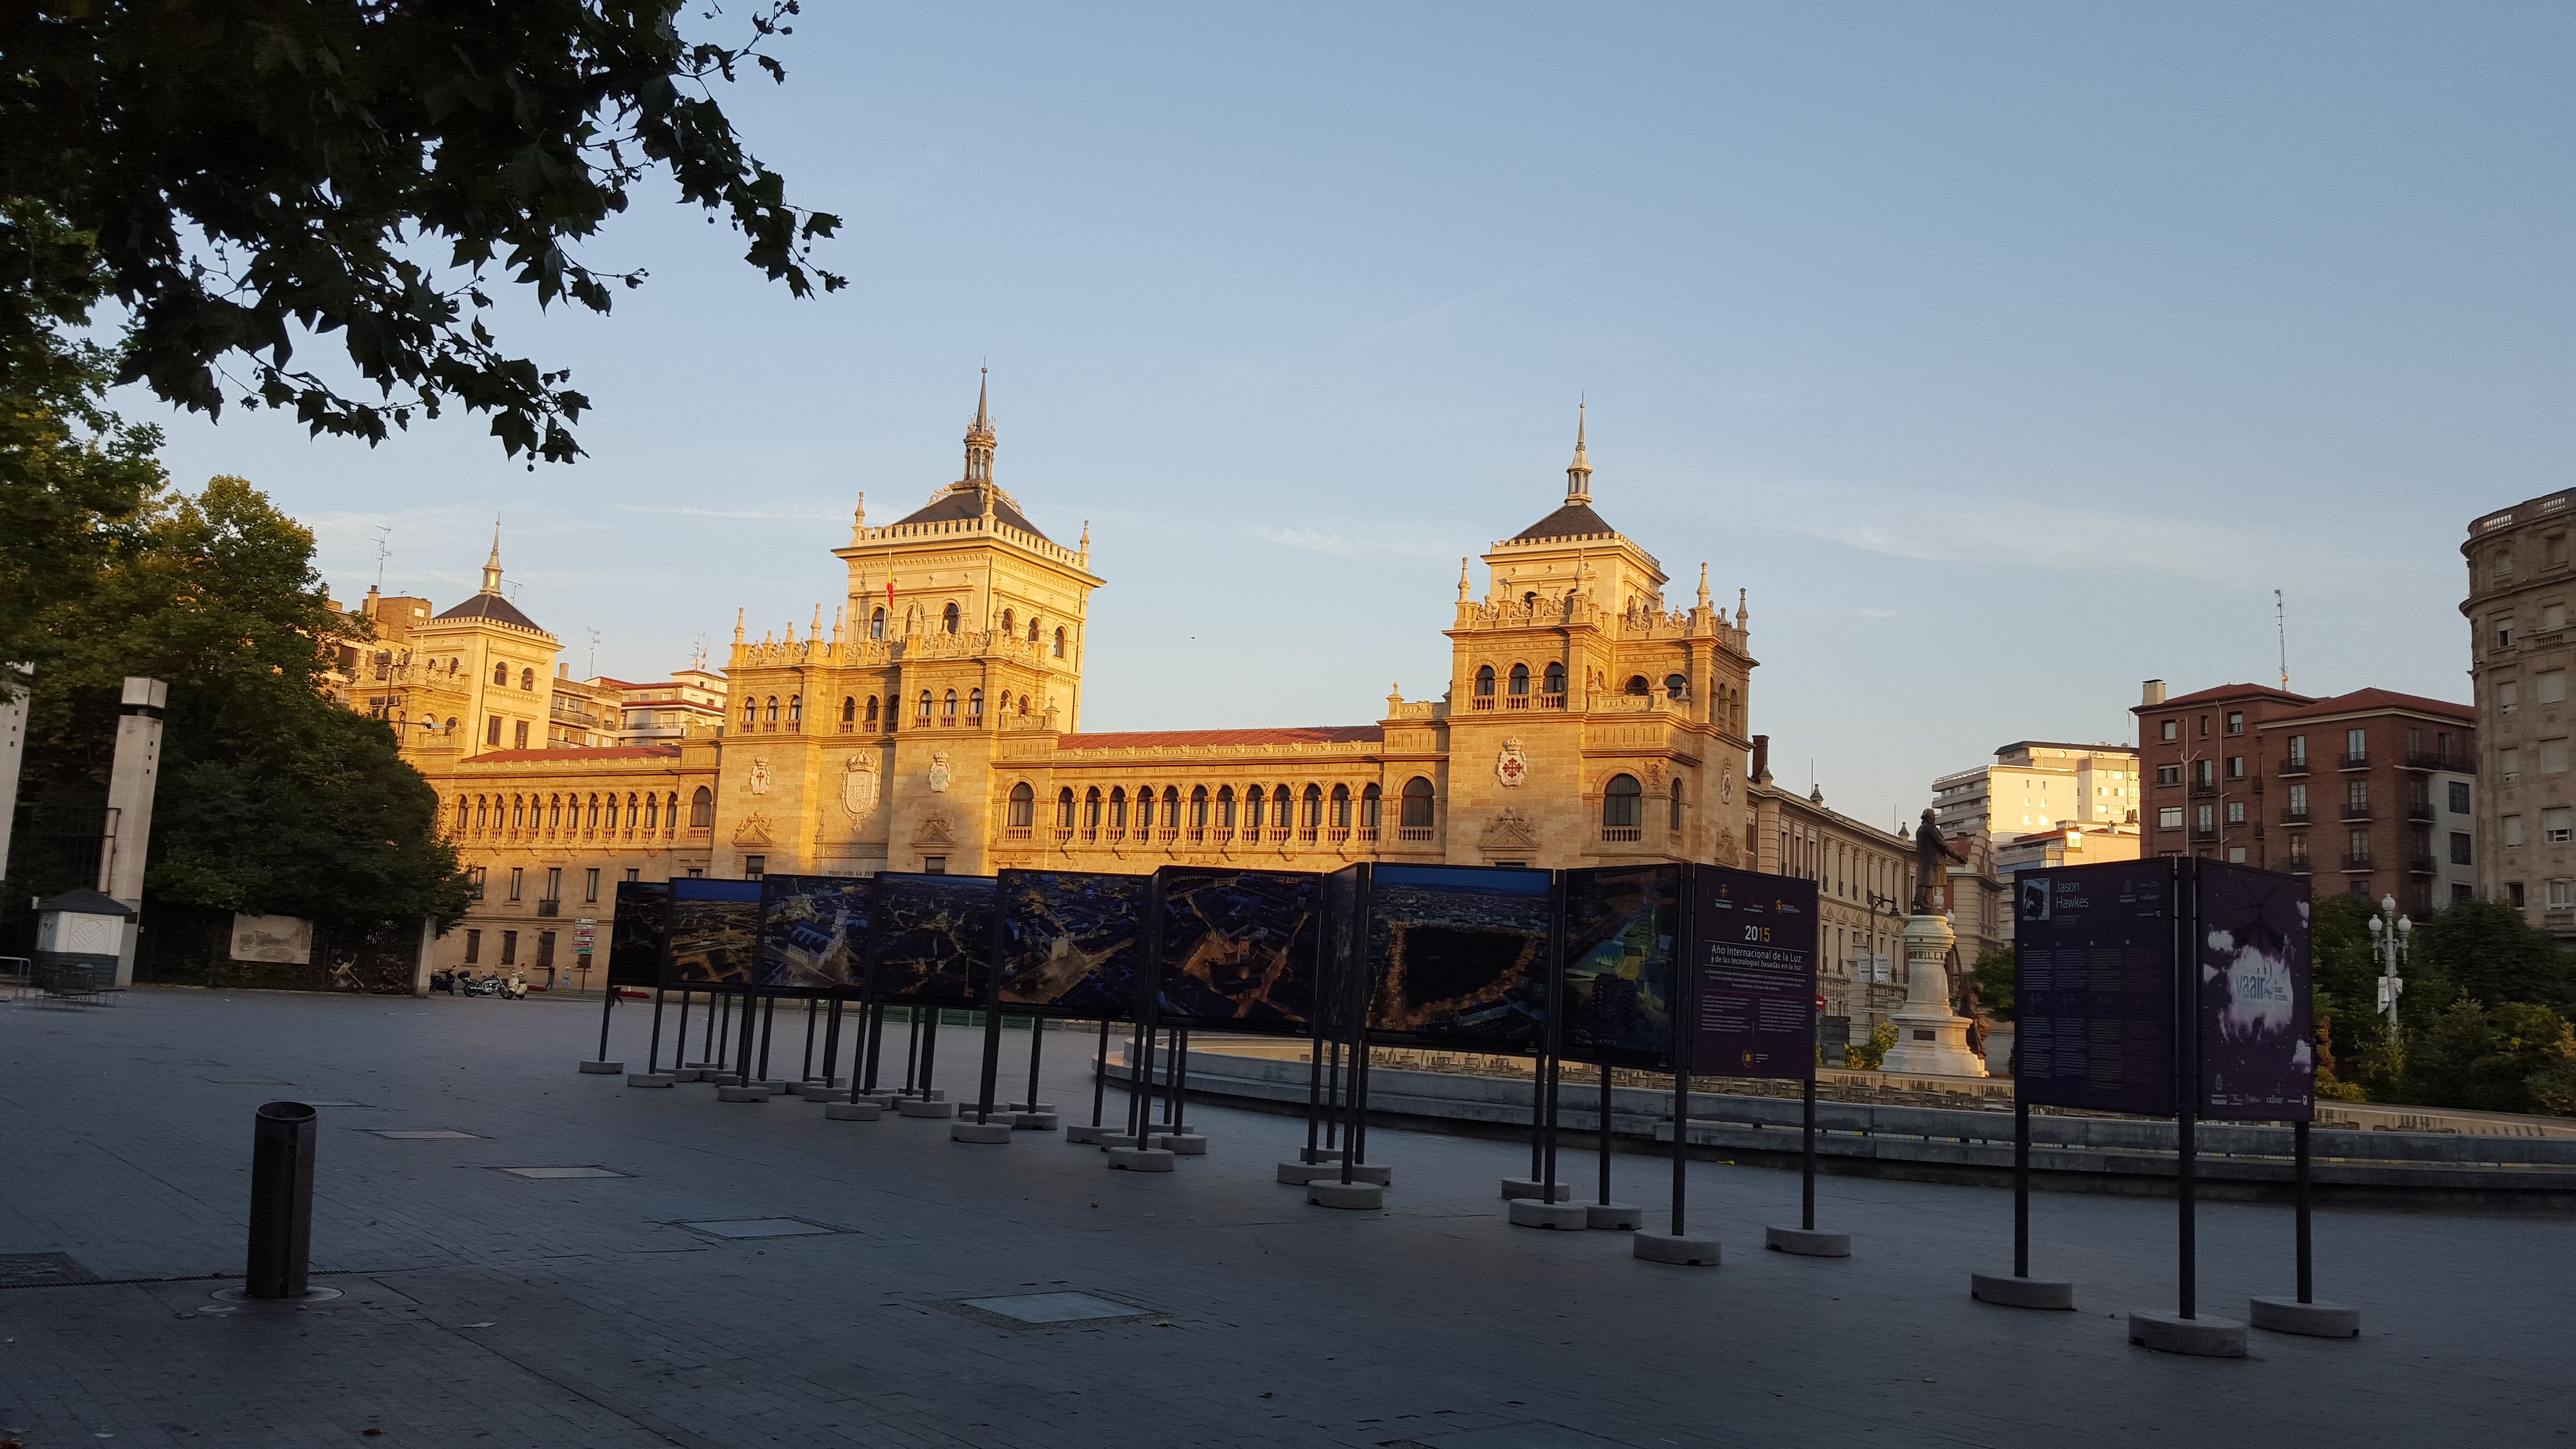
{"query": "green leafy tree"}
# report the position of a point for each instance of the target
(255, 172)
(272, 797)
(2488, 950)
(1993, 974)
(2487, 1057)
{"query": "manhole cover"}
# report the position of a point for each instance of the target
(759, 1228)
(551, 1173)
(439, 1134)
(1046, 1308)
(37, 1270)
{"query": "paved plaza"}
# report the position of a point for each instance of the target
(484, 1307)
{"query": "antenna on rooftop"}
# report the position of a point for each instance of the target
(698, 651)
(2281, 632)
(384, 550)
(594, 649)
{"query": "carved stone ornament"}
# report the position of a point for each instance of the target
(1511, 766)
(754, 830)
(760, 775)
(934, 831)
(1655, 777)
(1508, 830)
(859, 785)
(1726, 786)
(939, 773)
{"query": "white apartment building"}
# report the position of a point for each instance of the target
(2036, 786)
(660, 713)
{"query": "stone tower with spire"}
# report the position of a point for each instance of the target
(959, 636)
(475, 679)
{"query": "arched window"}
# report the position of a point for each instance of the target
(633, 818)
(750, 712)
(872, 712)
(594, 812)
(1024, 806)
(652, 812)
(451, 725)
(527, 679)
(975, 705)
(1252, 803)
(1415, 813)
(1171, 808)
(773, 710)
(1520, 680)
(554, 812)
(876, 624)
(1637, 685)
(1024, 706)
(463, 815)
(1677, 802)
(1485, 682)
(500, 674)
(1342, 807)
(1064, 808)
(671, 811)
(1198, 807)
(948, 706)
(1530, 600)
(1008, 632)
(795, 709)
(518, 813)
(921, 708)
(948, 620)
(702, 809)
(1117, 807)
(1676, 686)
(1091, 808)
(1059, 643)
(1555, 681)
(1370, 800)
(1033, 629)
(1623, 803)
(849, 709)
(1145, 808)
(1225, 807)
(1314, 807)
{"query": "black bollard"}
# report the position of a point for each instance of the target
(281, 1201)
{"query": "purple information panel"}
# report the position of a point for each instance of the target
(2255, 1061)
(2093, 996)
(1752, 960)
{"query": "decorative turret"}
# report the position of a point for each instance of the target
(492, 565)
(979, 436)
(1578, 474)
(859, 520)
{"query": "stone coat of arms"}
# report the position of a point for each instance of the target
(859, 785)
(760, 776)
(939, 774)
(1511, 766)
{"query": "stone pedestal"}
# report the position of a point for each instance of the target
(649, 1079)
(2314, 1320)
(1140, 1159)
(1348, 1196)
(1034, 1121)
(1613, 1217)
(1807, 1243)
(1685, 1251)
(983, 1134)
(602, 1069)
(2011, 1292)
(2202, 1337)
(813, 1093)
(1929, 1036)
(1529, 1212)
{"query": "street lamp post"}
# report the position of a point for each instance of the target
(2390, 935)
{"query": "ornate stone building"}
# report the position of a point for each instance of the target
(935, 725)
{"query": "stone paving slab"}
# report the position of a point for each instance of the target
(487, 1309)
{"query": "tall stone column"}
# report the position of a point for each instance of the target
(129, 807)
(13, 748)
(1930, 1037)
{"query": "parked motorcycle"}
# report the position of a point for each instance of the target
(516, 990)
(481, 986)
(443, 981)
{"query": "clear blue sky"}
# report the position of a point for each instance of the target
(2007, 355)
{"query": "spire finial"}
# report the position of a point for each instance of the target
(737, 626)
(1462, 581)
(1703, 588)
(1578, 474)
(859, 519)
(492, 566)
(979, 434)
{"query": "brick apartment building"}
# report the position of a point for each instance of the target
(2370, 793)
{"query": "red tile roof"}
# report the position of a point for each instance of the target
(2361, 700)
(591, 755)
(2224, 691)
(1168, 739)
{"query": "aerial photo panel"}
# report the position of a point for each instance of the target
(636, 933)
(933, 933)
(713, 923)
(814, 933)
(1619, 928)
(1238, 947)
(1459, 956)
(1072, 941)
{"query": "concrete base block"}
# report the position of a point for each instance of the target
(1141, 1159)
(682, 1074)
(1348, 1196)
(1529, 1212)
(1033, 1106)
(1321, 1154)
(1112, 1141)
(2313, 1320)
(2200, 1337)
(1034, 1121)
(1187, 1144)
(602, 1069)
(983, 1134)
(1300, 1173)
(813, 1093)
(1518, 1187)
(1615, 1217)
(715, 1078)
(742, 1094)
(775, 1086)
(852, 1112)
(649, 1079)
(1684, 1251)
(1086, 1134)
(2012, 1292)
(882, 1099)
(915, 1107)
(1807, 1243)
